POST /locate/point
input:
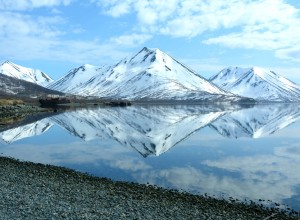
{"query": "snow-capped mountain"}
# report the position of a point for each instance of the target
(19, 72)
(149, 75)
(257, 83)
(257, 122)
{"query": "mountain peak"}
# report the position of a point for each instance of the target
(238, 72)
(146, 54)
(85, 67)
(147, 49)
(74, 78)
(144, 49)
(7, 62)
(259, 71)
(148, 75)
(11, 69)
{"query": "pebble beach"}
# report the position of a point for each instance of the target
(37, 191)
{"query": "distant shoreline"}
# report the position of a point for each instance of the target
(31, 191)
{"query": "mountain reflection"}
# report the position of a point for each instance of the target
(256, 122)
(152, 130)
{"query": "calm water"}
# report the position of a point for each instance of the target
(245, 153)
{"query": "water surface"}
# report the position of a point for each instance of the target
(248, 153)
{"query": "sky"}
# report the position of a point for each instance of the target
(206, 35)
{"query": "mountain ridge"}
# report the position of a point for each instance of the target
(152, 75)
(36, 76)
(148, 75)
(257, 83)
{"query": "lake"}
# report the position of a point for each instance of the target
(248, 153)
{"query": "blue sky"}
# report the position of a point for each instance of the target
(57, 35)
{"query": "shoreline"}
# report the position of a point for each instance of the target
(14, 114)
(37, 191)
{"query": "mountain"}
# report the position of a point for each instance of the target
(257, 122)
(10, 86)
(258, 84)
(149, 75)
(19, 72)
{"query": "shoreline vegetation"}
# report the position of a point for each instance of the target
(37, 191)
(14, 111)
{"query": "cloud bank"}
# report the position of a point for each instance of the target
(260, 24)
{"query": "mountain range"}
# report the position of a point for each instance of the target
(148, 75)
(154, 129)
(257, 83)
(30, 75)
(152, 75)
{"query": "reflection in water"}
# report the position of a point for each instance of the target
(28, 130)
(152, 130)
(256, 122)
(148, 130)
(206, 162)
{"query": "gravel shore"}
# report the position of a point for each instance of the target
(36, 191)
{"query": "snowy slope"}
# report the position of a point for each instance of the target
(19, 72)
(150, 75)
(256, 122)
(149, 130)
(74, 78)
(257, 83)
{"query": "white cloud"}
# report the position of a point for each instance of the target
(119, 10)
(30, 4)
(289, 54)
(15, 24)
(24, 36)
(130, 40)
(200, 16)
(258, 24)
